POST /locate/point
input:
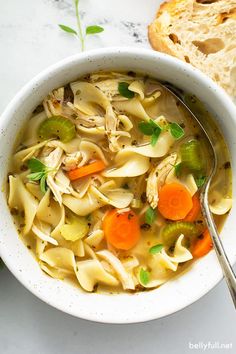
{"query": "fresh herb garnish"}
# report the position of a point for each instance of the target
(155, 137)
(146, 128)
(200, 181)
(67, 29)
(176, 130)
(151, 128)
(94, 29)
(150, 216)
(156, 249)
(178, 169)
(43, 183)
(144, 276)
(90, 30)
(39, 172)
(35, 165)
(123, 88)
(154, 130)
(1, 264)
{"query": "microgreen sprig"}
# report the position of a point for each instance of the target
(150, 216)
(156, 249)
(154, 130)
(176, 130)
(200, 181)
(151, 128)
(144, 276)
(123, 88)
(89, 30)
(39, 172)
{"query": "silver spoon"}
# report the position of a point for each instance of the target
(218, 246)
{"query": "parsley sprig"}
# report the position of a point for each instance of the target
(144, 276)
(176, 130)
(156, 249)
(123, 88)
(154, 130)
(150, 216)
(39, 172)
(200, 181)
(90, 30)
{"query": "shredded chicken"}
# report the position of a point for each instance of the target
(157, 177)
(111, 124)
(53, 102)
(84, 119)
(90, 151)
(53, 161)
(118, 267)
(71, 161)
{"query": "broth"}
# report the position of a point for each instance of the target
(104, 184)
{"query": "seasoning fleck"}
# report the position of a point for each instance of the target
(227, 165)
(143, 197)
(145, 227)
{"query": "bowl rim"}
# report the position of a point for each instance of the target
(38, 80)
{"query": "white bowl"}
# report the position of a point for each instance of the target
(123, 308)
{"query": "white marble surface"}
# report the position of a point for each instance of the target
(30, 41)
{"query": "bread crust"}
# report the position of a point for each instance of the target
(207, 46)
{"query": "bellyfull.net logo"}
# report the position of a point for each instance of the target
(210, 346)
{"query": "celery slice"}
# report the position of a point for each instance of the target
(57, 127)
(172, 231)
(192, 156)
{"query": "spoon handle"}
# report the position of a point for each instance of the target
(219, 249)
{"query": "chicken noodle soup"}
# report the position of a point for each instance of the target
(104, 185)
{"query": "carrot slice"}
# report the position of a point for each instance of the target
(175, 201)
(86, 170)
(203, 245)
(195, 211)
(121, 229)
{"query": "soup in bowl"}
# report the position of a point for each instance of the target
(104, 183)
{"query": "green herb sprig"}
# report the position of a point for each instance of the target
(144, 276)
(150, 216)
(176, 130)
(123, 88)
(154, 130)
(156, 249)
(90, 30)
(39, 172)
(200, 181)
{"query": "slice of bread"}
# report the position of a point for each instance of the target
(202, 33)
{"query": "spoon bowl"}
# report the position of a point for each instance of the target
(204, 193)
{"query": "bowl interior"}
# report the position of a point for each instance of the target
(123, 308)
